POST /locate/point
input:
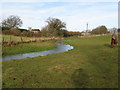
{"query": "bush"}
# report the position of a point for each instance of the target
(99, 30)
(15, 31)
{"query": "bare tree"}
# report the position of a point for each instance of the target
(55, 26)
(12, 22)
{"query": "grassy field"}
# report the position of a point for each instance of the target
(91, 64)
(15, 38)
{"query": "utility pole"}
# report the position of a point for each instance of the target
(87, 28)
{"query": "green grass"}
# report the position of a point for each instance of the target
(28, 47)
(9, 38)
(91, 64)
(15, 38)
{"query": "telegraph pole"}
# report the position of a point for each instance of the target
(87, 28)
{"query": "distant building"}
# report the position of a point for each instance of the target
(85, 33)
(30, 28)
(35, 30)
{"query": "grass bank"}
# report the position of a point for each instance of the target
(28, 47)
(9, 38)
(91, 64)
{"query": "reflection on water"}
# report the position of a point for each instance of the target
(60, 48)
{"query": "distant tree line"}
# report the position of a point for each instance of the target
(100, 30)
(54, 27)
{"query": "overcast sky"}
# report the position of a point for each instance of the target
(75, 14)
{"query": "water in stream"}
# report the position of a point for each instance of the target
(60, 48)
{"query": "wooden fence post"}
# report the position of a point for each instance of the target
(10, 39)
(3, 40)
(21, 39)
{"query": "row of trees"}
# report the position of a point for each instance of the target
(100, 30)
(103, 30)
(54, 27)
(46, 33)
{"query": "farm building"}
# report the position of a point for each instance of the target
(35, 30)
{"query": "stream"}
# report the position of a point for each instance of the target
(60, 48)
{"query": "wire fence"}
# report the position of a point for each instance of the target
(8, 40)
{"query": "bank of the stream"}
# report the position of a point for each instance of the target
(28, 47)
(91, 64)
(60, 47)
